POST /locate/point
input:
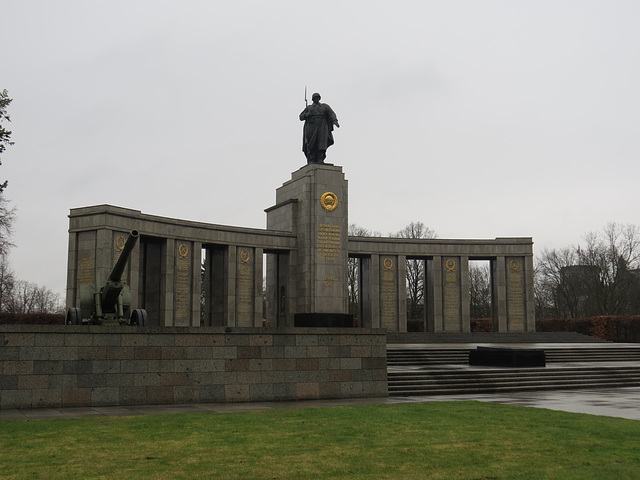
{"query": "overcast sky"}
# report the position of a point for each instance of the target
(478, 118)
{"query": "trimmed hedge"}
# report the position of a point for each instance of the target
(481, 325)
(611, 328)
(625, 329)
(32, 318)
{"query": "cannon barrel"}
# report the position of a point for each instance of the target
(109, 293)
(118, 269)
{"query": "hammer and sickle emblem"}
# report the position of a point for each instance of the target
(387, 263)
(244, 256)
(120, 241)
(450, 265)
(183, 250)
(329, 201)
(514, 265)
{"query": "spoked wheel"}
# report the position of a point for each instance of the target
(139, 317)
(74, 317)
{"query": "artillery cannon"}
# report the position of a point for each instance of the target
(111, 303)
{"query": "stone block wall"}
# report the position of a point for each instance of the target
(80, 366)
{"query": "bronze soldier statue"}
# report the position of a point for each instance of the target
(317, 136)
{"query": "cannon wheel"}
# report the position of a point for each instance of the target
(139, 317)
(74, 317)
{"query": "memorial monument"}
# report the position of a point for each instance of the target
(186, 273)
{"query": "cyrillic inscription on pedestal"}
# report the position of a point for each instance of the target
(451, 295)
(244, 289)
(182, 308)
(515, 295)
(329, 243)
(86, 267)
(388, 296)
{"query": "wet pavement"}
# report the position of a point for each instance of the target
(618, 402)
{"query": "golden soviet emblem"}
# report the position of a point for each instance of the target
(514, 265)
(183, 250)
(120, 241)
(244, 256)
(450, 265)
(387, 263)
(329, 201)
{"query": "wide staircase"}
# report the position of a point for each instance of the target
(438, 364)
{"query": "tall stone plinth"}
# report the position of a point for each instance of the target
(313, 206)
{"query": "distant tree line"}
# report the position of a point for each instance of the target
(599, 277)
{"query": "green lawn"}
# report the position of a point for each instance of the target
(457, 440)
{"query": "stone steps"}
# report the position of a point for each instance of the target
(490, 337)
(460, 356)
(510, 380)
(415, 370)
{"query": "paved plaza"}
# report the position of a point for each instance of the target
(620, 402)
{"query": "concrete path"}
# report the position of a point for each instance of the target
(621, 402)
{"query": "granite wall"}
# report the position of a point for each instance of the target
(74, 366)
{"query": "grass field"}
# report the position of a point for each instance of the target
(437, 440)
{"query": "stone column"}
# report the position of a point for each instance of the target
(389, 287)
(519, 289)
(167, 282)
(402, 293)
(499, 322)
(529, 295)
(257, 286)
(72, 271)
(249, 287)
(230, 270)
(435, 317)
(465, 296)
(196, 284)
(370, 291)
(452, 293)
(183, 284)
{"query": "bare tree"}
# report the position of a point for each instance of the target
(611, 254)
(554, 266)
(7, 217)
(353, 270)
(480, 291)
(415, 267)
(7, 280)
(599, 279)
(28, 297)
(544, 295)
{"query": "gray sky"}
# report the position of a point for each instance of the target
(478, 118)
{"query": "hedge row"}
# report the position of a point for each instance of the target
(32, 318)
(611, 328)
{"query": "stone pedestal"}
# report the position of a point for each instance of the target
(313, 205)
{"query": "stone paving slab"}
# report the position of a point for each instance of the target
(620, 402)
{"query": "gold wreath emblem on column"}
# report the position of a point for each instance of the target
(120, 241)
(183, 250)
(245, 256)
(450, 265)
(329, 201)
(387, 263)
(514, 265)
